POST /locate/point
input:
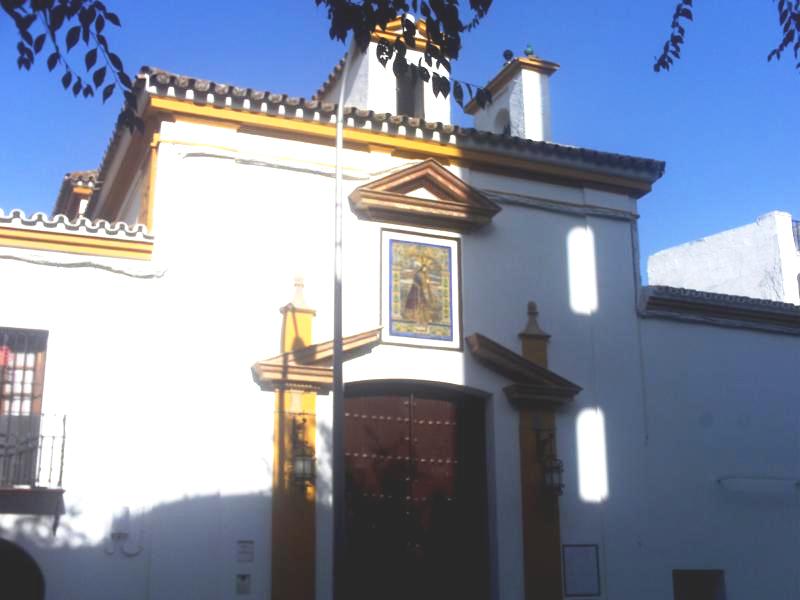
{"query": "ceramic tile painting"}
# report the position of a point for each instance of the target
(421, 289)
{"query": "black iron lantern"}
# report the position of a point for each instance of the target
(551, 466)
(303, 460)
(553, 475)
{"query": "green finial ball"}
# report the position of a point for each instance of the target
(529, 50)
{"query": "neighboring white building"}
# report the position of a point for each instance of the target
(186, 322)
(758, 260)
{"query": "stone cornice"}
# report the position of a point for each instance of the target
(309, 369)
(533, 385)
(720, 309)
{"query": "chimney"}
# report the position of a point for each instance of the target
(520, 99)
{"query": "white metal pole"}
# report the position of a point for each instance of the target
(338, 382)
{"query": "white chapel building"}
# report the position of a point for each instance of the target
(524, 421)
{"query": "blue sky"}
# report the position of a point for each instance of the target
(725, 121)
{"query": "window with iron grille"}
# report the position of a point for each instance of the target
(22, 435)
(22, 355)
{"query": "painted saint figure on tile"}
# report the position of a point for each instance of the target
(421, 290)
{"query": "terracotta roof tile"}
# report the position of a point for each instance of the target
(164, 83)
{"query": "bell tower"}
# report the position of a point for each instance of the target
(373, 86)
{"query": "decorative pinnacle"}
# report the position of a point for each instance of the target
(532, 329)
(529, 50)
(508, 56)
(299, 300)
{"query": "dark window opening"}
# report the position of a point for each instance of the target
(698, 584)
(410, 95)
(31, 451)
(22, 578)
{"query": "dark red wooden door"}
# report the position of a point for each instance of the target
(416, 498)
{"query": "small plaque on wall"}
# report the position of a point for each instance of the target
(581, 570)
(420, 303)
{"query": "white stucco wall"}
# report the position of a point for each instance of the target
(758, 260)
(526, 101)
(722, 404)
(164, 417)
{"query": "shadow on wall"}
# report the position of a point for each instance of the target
(204, 547)
(200, 547)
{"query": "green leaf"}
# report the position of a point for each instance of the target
(115, 61)
(52, 61)
(107, 91)
(38, 43)
(91, 58)
(57, 18)
(458, 93)
(124, 79)
(73, 35)
(66, 79)
(99, 76)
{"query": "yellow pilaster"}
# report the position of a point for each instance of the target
(293, 497)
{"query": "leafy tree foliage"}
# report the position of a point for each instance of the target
(445, 24)
(59, 26)
(788, 19)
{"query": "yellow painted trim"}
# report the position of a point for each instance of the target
(367, 140)
(74, 244)
(419, 44)
(394, 29)
(82, 191)
(151, 184)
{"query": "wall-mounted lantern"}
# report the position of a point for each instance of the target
(552, 466)
(303, 460)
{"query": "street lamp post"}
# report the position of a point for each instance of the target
(338, 382)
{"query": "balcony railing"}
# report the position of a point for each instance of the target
(32, 450)
(796, 231)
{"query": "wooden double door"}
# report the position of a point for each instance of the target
(415, 497)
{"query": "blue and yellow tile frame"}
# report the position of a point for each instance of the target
(420, 302)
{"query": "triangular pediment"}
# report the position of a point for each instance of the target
(425, 195)
(532, 385)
